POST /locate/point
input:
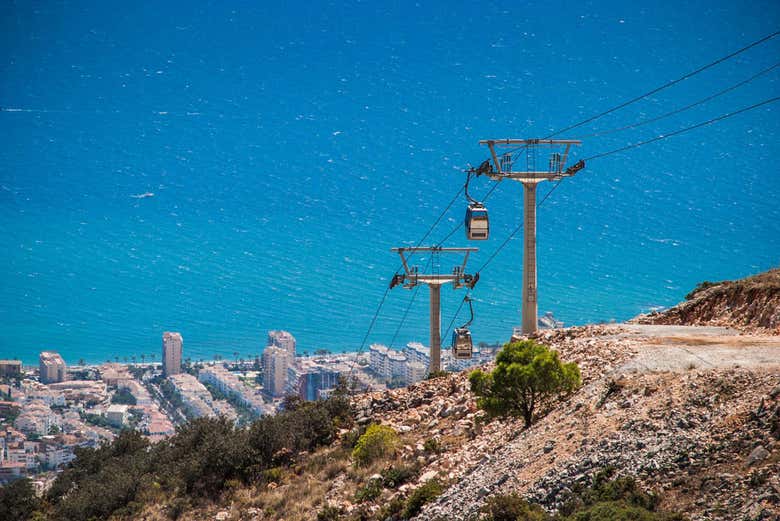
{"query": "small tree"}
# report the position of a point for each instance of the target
(377, 442)
(527, 376)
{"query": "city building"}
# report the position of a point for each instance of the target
(312, 380)
(195, 397)
(197, 400)
(396, 363)
(112, 374)
(276, 361)
(399, 367)
(284, 340)
(415, 372)
(10, 368)
(117, 414)
(35, 391)
(171, 355)
(228, 384)
(416, 352)
(377, 360)
(52, 367)
(36, 418)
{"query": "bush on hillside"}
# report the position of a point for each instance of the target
(18, 501)
(511, 507)
(198, 462)
(379, 441)
(606, 499)
(605, 487)
(421, 495)
(397, 475)
(620, 511)
(701, 286)
(527, 377)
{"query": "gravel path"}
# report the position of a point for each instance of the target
(681, 348)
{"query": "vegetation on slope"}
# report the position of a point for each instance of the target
(528, 375)
(198, 463)
(608, 498)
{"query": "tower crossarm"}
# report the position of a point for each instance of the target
(556, 166)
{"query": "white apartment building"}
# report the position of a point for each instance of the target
(228, 384)
(416, 352)
(407, 366)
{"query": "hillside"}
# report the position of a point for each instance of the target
(684, 419)
(692, 413)
(749, 304)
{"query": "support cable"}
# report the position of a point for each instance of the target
(666, 85)
(687, 107)
(682, 130)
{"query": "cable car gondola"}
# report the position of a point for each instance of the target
(462, 346)
(476, 222)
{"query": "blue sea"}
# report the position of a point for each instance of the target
(226, 168)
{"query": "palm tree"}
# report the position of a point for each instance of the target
(81, 362)
(143, 359)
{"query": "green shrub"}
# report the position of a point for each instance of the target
(377, 442)
(18, 501)
(371, 491)
(604, 488)
(391, 509)
(329, 513)
(620, 511)
(432, 445)
(421, 495)
(393, 477)
(511, 507)
(527, 377)
(177, 507)
(123, 396)
(198, 462)
(273, 475)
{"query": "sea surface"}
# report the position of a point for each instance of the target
(222, 169)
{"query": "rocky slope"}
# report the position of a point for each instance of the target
(707, 438)
(751, 304)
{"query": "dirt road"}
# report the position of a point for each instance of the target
(681, 348)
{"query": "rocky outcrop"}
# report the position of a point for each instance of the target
(751, 304)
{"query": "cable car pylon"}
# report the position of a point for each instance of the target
(530, 177)
(411, 277)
